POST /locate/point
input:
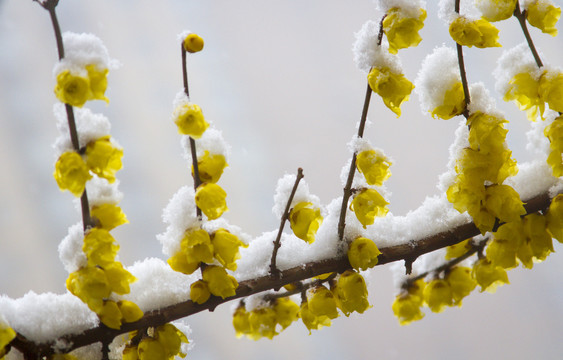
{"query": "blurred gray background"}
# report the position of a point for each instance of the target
(277, 77)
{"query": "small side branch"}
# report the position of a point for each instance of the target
(277, 243)
(521, 16)
(462, 72)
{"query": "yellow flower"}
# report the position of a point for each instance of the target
(489, 276)
(210, 167)
(286, 311)
(392, 87)
(401, 31)
(453, 104)
(90, 285)
(524, 90)
(437, 295)
(100, 247)
(71, 173)
(262, 323)
(129, 310)
(554, 218)
(150, 349)
(506, 242)
(363, 253)
(197, 246)
(322, 303)
(130, 353)
(109, 216)
(374, 165)
(103, 158)
(199, 292)
(461, 283)
(226, 248)
(554, 132)
(305, 221)
(98, 82)
(538, 239)
(210, 198)
(179, 262)
(503, 202)
(312, 321)
(406, 308)
(193, 43)
(241, 322)
(486, 133)
(118, 278)
(171, 339)
(351, 293)
(479, 33)
(190, 120)
(219, 282)
(551, 90)
(110, 315)
(72, 89)
(457, 250)
(368, 204)
(543, 15)
(7, 334)
(497, 10)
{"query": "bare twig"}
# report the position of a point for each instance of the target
(462, 72)
(521, 16)
(277, 243)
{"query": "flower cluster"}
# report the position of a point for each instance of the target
(164, 342)
(368, 203)
(75, 88)
(481, 170)
(479, 33)
(263, 321)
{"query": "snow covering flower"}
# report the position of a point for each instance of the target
(543, 14)
(199, 292)
(374, 165)
(190, 121)
(74, 89)
(193, 43)
(226, 248)
(437, 295)
(554, 218)
(461, 283)
(210, 198)
(496, 10)
(109, 216)
(453, 103)
(488, 276)
(367, 204)
(351, 293)
(554, 132)
(305, 220)
(210, 167)
(103, 158)
(219, 282)
(402, 30)
(479, 33)
(363, 253)
(393, 87)
(71, 173)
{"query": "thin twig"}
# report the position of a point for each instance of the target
(521, 16)
(462, 72)
(277, 243)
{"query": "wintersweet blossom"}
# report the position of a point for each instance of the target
(461, 283)
(374, 166)
(538, 243)
(7, 334)
(219, 282)
(150, 349)
(554, 132)
(350, 293)
(543, 14)
(488, 276)
(506, 242)
(479, 33)
(75, 90)
(171, 339)
(103, 158)
(241, 322)
(394, 88)
(100, 247)
(165, 343)
(487, 133)
(193, 43)
(503, 202)
(226, 248)
(363, 253)
(199, 292)
(89, 284)
(305, 220)
(190, 121)
(453, 103)
(118, 278)
(110, 315)
(287, 311)
(407, 304)
(108, 216)
(496, 10)
(98, 82)
(129, 310)
(211, 199)
(322, 302)
(457, 250)
(310, 320)
(554, 218)
(550, 90)
(71, 173)
(210, 167)
(523, 88)
(368, 204)
(437, 295)
(402, 31)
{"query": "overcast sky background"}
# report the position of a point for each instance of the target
(277, 77)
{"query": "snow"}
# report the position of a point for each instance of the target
(368, 54)
(70, 249)
(211, 141)
(283, 191)
(411, 8)
(514, 61)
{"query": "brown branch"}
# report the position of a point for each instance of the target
(277, 243)
(462, 72)
(409, 250)
(521, 16)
